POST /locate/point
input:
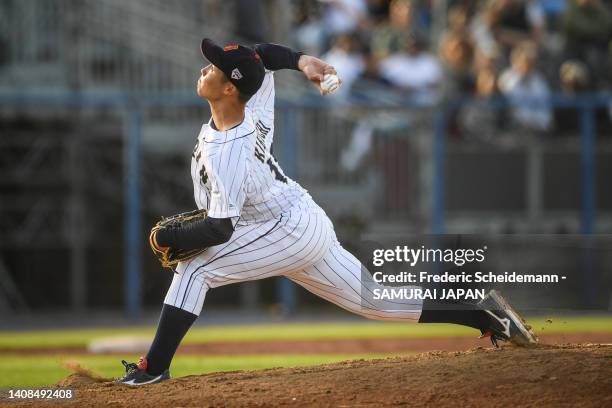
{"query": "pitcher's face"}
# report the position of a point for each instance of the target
(211, 83)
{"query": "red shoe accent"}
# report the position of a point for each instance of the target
(486, 334)
(142, 363)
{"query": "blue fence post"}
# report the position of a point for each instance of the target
(439, 177)
(285, 288)
(132, 221)
(587, 128)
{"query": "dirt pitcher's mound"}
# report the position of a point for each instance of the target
(546, 376)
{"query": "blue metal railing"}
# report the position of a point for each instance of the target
(286, 288)
(439, 158)
(587, 137)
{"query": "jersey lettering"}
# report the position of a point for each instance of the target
(203, 175)
(260, 143)
(277, 173)
(195, 149)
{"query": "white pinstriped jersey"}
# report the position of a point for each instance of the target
(234, 173)
(279, 230)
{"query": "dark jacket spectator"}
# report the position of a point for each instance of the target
(504, 24)
(588, 22)
(588, 32)
(456, 54)
(391, 37)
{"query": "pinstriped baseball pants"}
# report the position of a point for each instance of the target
(300, 244)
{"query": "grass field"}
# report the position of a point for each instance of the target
(293, 331)
(25, 370)
(37, 371)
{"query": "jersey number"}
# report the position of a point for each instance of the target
(277, 174)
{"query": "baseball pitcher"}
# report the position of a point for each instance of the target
(259, 223)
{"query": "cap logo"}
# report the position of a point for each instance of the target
(230, 47)
(236, 74)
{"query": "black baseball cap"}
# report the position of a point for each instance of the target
(242, 65)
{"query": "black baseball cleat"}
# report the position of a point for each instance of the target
(136, 374)
(505, 323)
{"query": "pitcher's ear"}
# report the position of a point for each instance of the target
(230, 89)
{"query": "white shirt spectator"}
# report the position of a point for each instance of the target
(518, 89)
(419, 73)
(343, 16)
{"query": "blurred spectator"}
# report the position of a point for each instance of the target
(487, 60)
(456, 54)
(575, 80)
(588, 31)
(348, 62)
(486, 68)
(414, 70)
(458, 18)
(309, 36)
(391, 37)
(486, 115)
(344, 16)
(588, 22)
(527, 89)
(378, 10)
(507, 23)
(519, 20)
(482, 28)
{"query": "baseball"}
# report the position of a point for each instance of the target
(330, 83)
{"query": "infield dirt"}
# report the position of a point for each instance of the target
(544, 376)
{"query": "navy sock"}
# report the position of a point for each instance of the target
(172, 327)
(456, 313)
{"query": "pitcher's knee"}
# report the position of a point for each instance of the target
(188, 290)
